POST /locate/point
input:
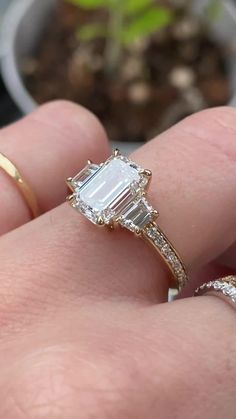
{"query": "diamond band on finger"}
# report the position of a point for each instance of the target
(157, 238)
(226, 286)
(114, 193)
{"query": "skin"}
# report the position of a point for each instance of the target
(82, 332)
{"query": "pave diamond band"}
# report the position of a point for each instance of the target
(114, 193)
(167, 251)
(226, 286)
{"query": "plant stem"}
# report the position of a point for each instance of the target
(114, 47)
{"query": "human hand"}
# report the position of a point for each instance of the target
(82, 333)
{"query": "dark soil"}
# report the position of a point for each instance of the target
(178, 71)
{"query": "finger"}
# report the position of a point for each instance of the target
(194, 184)
(201, 344)
(97, 356)
(229, 257)
(47, 146)
(194, 189)
(193, 172)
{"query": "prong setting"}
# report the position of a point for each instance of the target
(70, 198)
(116, 152)
(146, 172)
(69, 181)
(100, 221)
(138, 231)
(155, 214)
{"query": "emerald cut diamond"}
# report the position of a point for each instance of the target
(104, 192)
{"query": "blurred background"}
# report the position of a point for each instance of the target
(140, 65)
(8, 109)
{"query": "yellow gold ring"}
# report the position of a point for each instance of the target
(8, 167)
(114, 193)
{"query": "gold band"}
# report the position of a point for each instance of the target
(8, 167)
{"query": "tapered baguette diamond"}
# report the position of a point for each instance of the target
(84, 175)
(137, 215)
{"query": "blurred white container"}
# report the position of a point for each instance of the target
(25, 22)
(22, 27)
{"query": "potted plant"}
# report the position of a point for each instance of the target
(140, 65)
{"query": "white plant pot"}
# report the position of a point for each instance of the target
(25, 22)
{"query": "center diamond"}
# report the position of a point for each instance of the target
(111, 188)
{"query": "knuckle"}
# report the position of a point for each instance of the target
(45, 387)
(216, 128)
(72, 119)
(133, 375)
(197, 366)
(59, 384)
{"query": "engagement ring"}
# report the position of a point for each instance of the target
(114, 193)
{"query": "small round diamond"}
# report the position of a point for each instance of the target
(168, 253)
(226, 286)
(151, 232)
(217, 285)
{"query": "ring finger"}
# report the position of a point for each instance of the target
(194, 189)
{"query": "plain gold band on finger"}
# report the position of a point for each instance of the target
(8, 167)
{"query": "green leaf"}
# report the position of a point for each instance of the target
(89, 4)
(213, 9)
(131, 7)
(149, 22)
(91, 31)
